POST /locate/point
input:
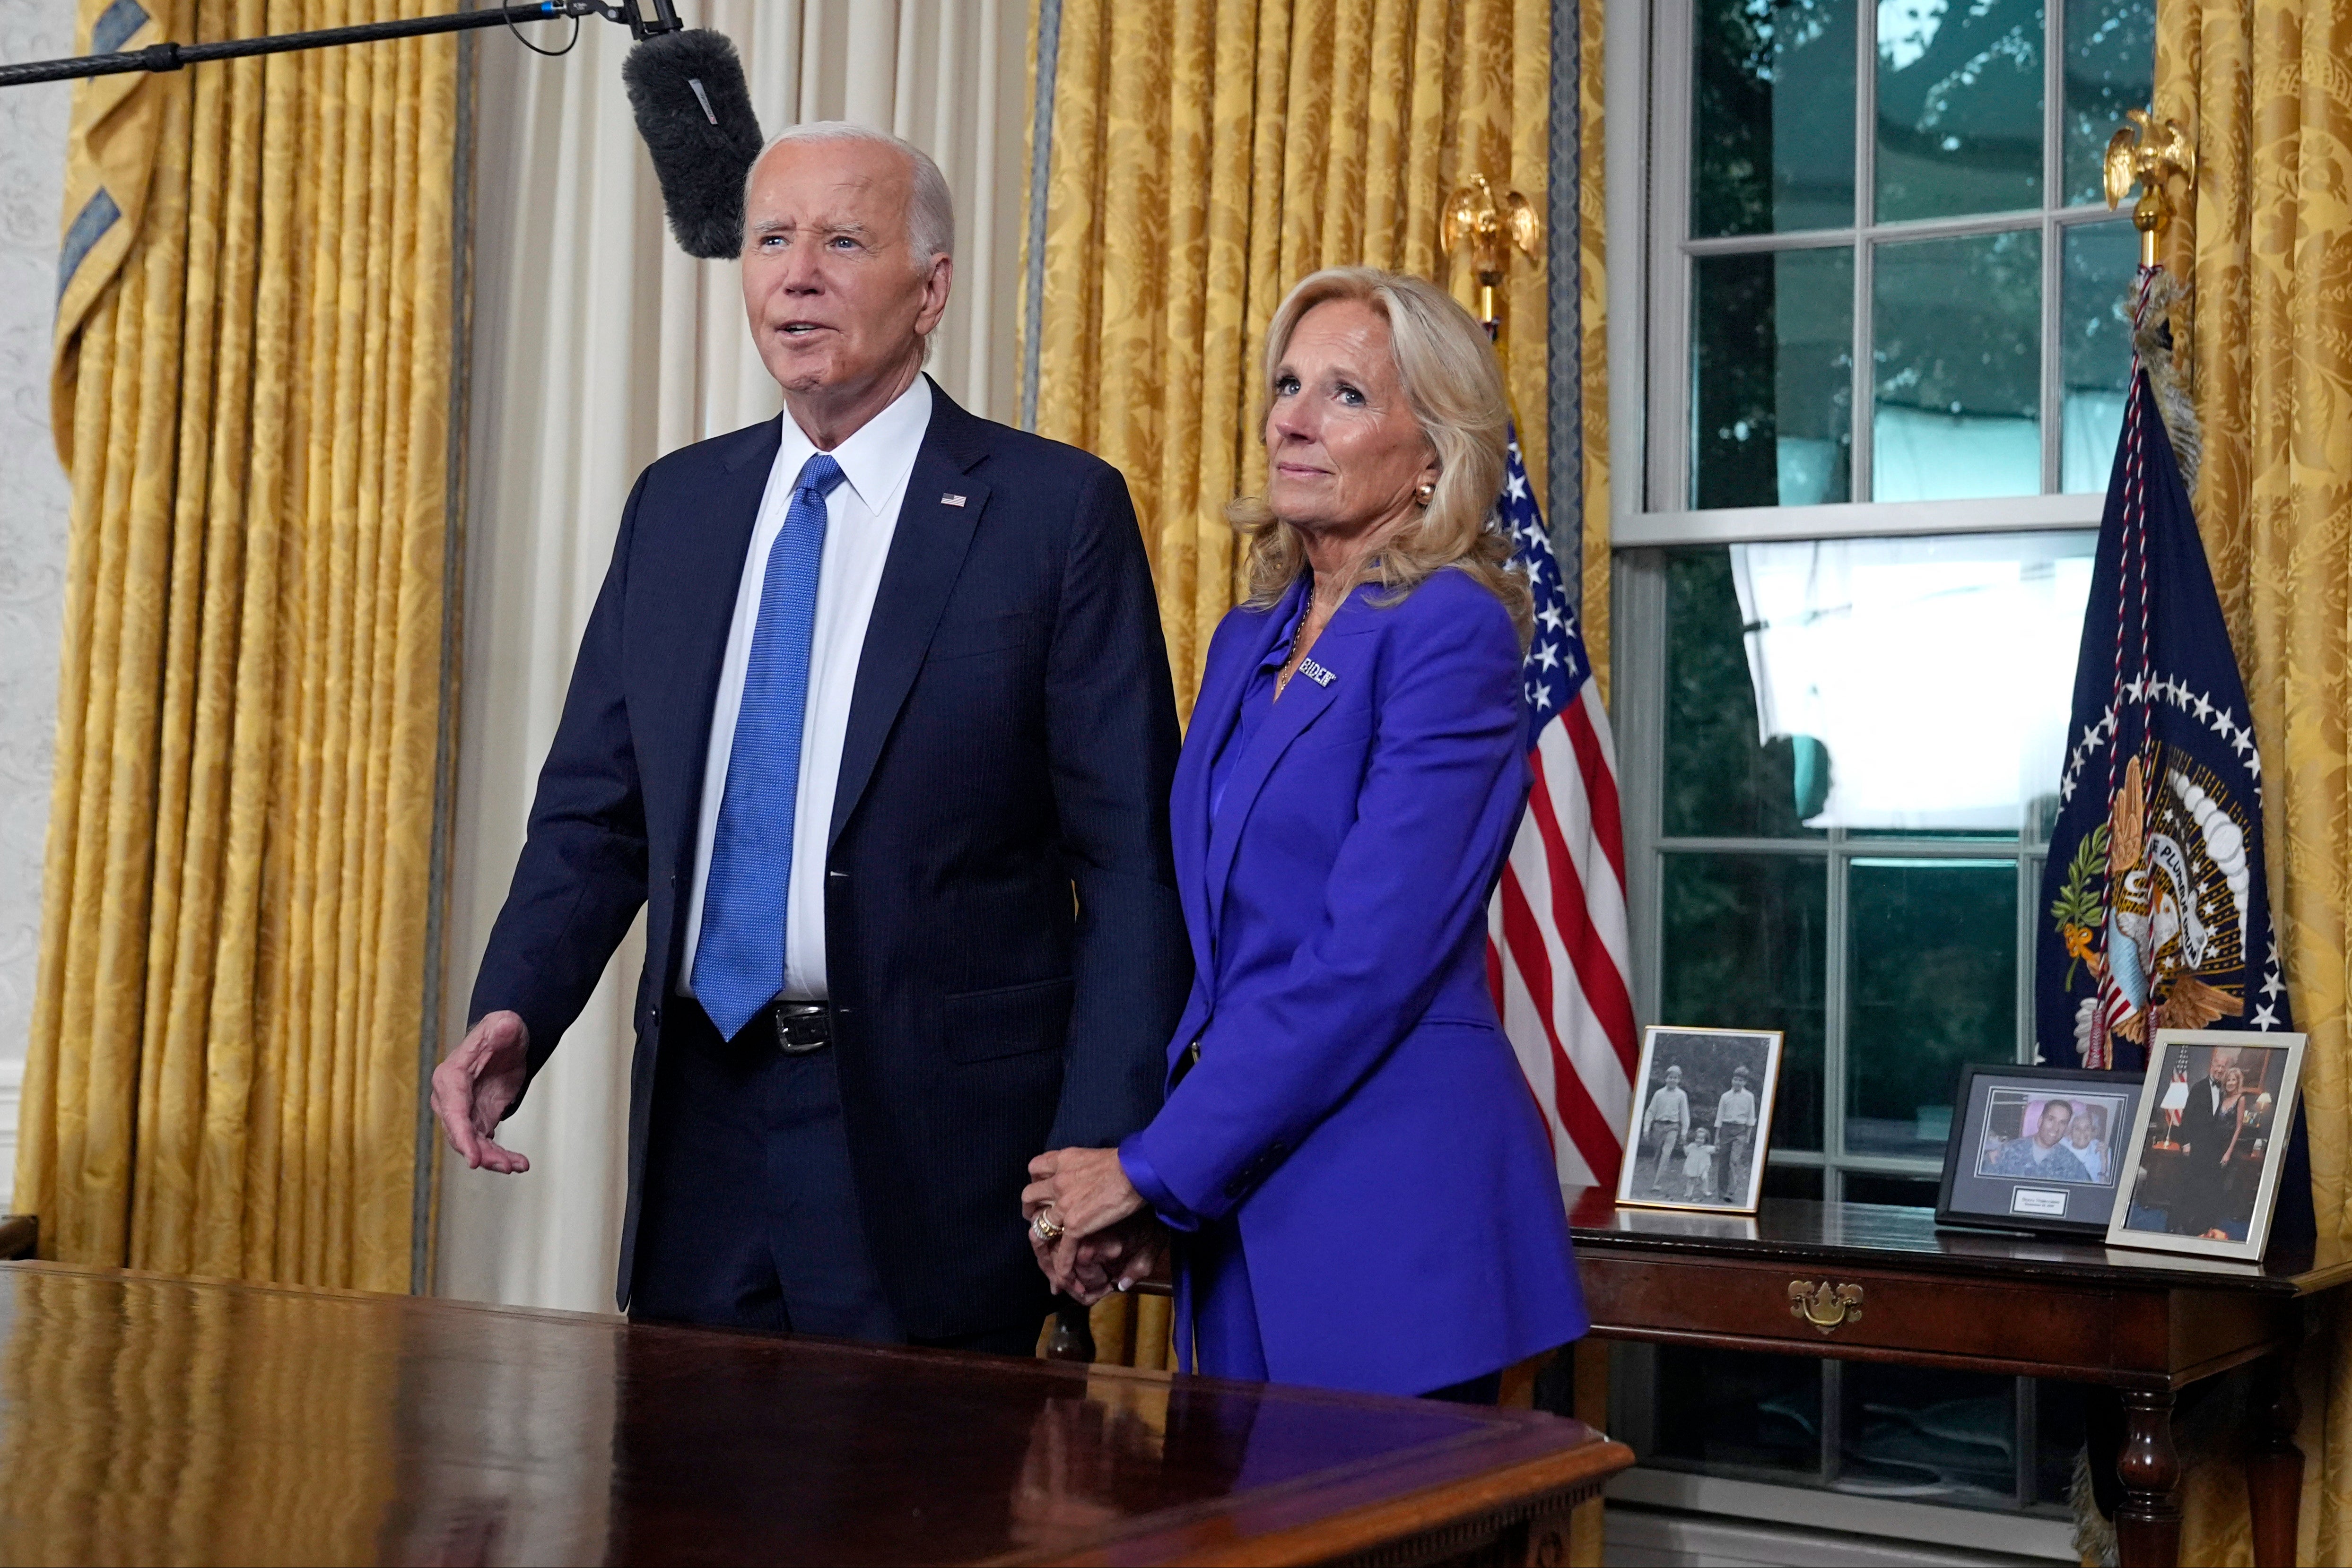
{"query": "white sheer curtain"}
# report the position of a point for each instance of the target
(598, 346)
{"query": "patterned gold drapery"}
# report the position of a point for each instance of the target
(2267, 246)
(1205, 155)
(252, 393)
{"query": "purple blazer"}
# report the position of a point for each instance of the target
(1356, 1109)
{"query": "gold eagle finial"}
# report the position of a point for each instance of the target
(1491, 228)
(2136, 157)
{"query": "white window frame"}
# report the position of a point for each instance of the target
(1647, 70)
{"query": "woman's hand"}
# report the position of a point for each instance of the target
(1085, 1192)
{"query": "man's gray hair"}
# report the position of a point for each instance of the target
(930, 209)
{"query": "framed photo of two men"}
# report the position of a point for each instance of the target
(2037, 1148)
(1702, 1116)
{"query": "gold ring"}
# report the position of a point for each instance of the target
(1048, 1227)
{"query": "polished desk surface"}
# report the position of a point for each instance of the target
(1868, 1235)
(146, 1419)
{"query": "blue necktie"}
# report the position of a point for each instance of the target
(738, 959)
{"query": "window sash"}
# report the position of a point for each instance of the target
(1657, 511)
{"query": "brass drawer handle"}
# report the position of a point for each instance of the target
(1825, 1306)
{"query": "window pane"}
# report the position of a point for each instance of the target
(2094, 357)
(1957, 368)
(1916, 1432)
(1905, 1192)
(1740, 1410)
(1726, 775)
(2058, 1431)
(1772, 116)
(1742, 944)
(1932, 972)
(1773, 368)
(2110, 67)
(1959, 106)
(1928, 678)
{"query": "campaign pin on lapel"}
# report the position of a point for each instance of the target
(1316, 673)
(951, 500)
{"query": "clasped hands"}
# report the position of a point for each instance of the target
(1107, 1238)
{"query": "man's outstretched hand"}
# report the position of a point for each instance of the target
(478, 1084)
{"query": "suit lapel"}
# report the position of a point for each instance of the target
(926, 556)
(1302, 702)
(1221, 685)
(706, 581)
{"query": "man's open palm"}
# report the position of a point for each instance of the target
(475, 1088)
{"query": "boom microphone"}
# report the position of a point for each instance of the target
(694, 109)
(685, 86)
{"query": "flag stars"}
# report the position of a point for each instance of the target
(1547, 654)
(2265, 1018)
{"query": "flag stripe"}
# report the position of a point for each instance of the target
(1599, 775)
(1603, 981)
(1595, 1139)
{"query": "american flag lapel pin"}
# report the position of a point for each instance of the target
(951, 500)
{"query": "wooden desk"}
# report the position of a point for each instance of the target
(149, 1419)
(2143, 1323)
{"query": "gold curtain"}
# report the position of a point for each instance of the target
(2265, 87)
(1205, 155)
(254, 364)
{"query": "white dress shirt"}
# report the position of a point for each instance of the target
(861, 516)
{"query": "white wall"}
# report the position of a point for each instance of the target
(33, 501)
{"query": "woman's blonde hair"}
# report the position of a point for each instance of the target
(1455, 386)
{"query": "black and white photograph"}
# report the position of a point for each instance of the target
(2215, 1110)
(2036, 1148)
(1702, 1116)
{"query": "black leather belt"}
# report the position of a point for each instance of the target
(802, 1027)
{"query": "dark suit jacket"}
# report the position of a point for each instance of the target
(1012, 735)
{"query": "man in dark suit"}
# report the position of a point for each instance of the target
(2206, 1127)
(874, 712)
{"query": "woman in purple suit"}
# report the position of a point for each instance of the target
(1359, 1185)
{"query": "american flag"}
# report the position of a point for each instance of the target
(1556, 952)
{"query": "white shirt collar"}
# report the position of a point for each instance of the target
(876, 458)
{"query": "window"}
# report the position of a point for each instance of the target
(1893, 209)
(1887, 351)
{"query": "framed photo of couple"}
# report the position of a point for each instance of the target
(1702, 1116)
(2214, 1115)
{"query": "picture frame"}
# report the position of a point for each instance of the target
(2000, 1174)
(1691, 1149)
(2202, 1088)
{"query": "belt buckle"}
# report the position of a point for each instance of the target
(814, 1036)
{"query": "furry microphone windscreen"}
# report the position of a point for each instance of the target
(702, 143)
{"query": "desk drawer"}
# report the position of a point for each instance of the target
(2041, 1323)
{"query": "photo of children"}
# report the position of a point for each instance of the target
(1702, 1101)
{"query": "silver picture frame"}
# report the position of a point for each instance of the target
(2216, 1109)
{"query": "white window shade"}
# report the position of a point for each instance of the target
(1935, 673)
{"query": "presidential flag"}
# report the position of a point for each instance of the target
(2155, 913)
(1555, 950)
